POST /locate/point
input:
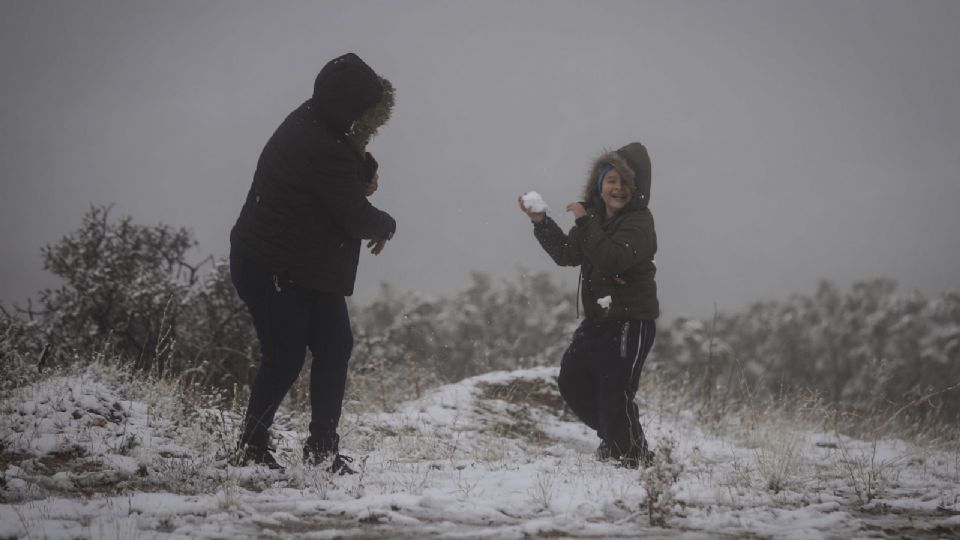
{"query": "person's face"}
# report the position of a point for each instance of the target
(615, 192)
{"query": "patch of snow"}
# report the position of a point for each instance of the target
(605, 301)
(495, 456)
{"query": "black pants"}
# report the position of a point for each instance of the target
(288, 320)
(599, 375)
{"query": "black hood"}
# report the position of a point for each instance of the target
(633, 163)
(344, 89)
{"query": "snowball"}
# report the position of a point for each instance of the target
(533, 202)
(605, 301)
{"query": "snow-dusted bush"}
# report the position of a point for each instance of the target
(121, 281)
(22, 350)
(660, 482)
(488, 326)
(869, 349)
(129, 292)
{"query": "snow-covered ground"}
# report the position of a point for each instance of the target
(97, 455)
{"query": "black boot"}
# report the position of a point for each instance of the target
(604, 452)
(341, 465)
(257, 455)
(320, 450)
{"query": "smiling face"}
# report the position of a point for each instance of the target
(615, 192)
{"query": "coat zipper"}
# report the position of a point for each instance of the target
(577, 299)
(623, 339)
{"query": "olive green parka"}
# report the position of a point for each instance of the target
(615, 255)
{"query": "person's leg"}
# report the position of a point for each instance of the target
(576, 381)
(331, 342)
(639, 452)
(280, 319)
(620, 359)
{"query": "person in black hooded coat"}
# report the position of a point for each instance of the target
(296, 245)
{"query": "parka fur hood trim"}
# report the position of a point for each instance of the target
(365, 127)
(633, 163)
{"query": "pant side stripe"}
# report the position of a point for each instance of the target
(629, 390)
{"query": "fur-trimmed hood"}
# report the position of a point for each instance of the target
(633, 163)
(352, 98)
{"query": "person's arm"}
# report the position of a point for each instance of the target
(346, 201)
(564, 249)
(342, 194)
(633, 242)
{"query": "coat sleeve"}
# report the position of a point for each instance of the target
(346, 201)
(564, 249)
(632, 243)
(335, 182)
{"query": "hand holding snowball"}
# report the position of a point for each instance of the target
(532, 204)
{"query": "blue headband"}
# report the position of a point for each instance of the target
(604, 169)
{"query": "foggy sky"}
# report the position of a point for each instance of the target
(791, 141)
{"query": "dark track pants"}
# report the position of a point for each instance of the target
(599, 376)
(288, 320)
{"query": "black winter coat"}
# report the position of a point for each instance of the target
(307, 211)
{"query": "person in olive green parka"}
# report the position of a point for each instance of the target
(614, 243)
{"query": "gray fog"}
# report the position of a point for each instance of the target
(791, 141)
